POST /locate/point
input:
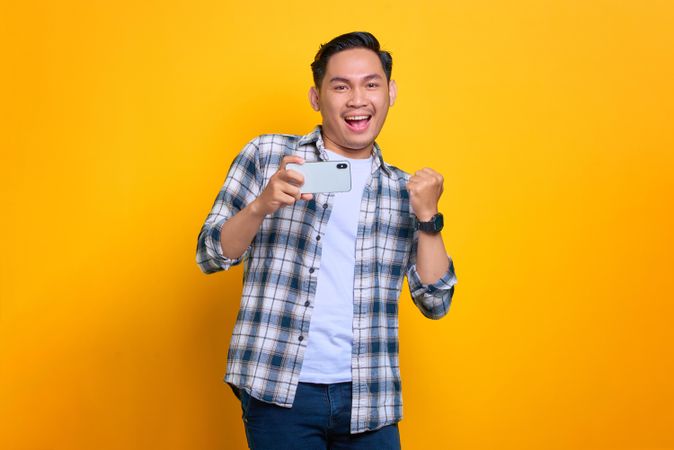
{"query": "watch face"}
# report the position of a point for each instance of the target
(433, 226)
(438, 222)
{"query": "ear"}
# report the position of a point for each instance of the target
(392, 92)
(313, 98)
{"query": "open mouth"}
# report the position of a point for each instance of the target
(357, 123)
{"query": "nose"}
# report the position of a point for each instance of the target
(357, 98)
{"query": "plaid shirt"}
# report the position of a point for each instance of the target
(279, 287)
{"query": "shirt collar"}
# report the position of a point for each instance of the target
(316, 137)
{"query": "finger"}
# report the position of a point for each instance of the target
(286, 199)
(433, 173)
(427, 172)
(281, 188)
(307, 196)
(292, 190)
(292, 177)
(290, 159)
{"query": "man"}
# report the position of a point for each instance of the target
(314, 352)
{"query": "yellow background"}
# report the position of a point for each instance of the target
(551, 121)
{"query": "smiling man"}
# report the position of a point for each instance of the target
(314, 352)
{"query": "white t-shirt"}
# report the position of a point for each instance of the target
(327, 358)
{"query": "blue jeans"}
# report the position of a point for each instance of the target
(319, 419)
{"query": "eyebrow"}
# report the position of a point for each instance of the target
(346, 80)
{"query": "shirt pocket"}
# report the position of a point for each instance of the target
(394, 237)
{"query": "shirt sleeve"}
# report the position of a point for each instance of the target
(241, 187)
(433, 300)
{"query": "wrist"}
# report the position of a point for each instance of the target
(255, 209)
(433, 225)
(425, 215)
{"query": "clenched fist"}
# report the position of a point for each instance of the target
(425, 188)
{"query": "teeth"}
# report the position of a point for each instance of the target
(356, 117)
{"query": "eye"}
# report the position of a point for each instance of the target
(372, 85)
(340, 87)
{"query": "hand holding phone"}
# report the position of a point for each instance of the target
(283, 189)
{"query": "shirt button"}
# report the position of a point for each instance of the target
(301, 338)
(325, 206)
(318, 238)
(307, 303)
(312, 270)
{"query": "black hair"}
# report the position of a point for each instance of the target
(356, 39)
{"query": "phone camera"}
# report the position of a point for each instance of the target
(341, 166)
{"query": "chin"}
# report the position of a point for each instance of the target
(359, 140)
(359, 145)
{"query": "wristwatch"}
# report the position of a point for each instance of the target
(432, 226)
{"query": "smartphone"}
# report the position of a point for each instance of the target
(324, 176)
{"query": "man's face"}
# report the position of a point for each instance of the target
(353, 99)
